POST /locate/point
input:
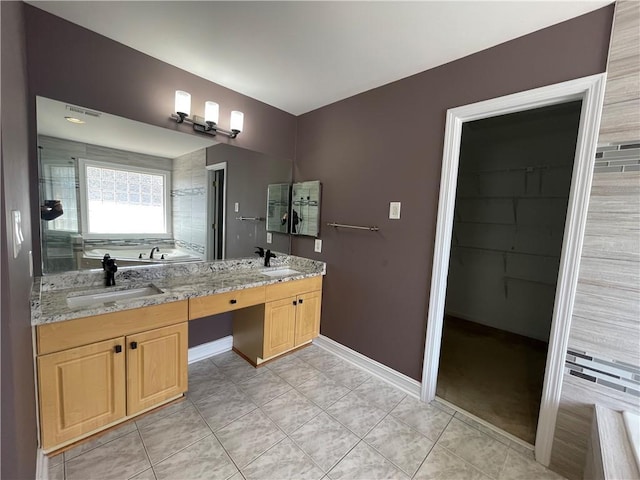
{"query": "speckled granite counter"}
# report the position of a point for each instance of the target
(177, 282)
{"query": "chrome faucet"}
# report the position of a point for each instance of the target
(154, 249)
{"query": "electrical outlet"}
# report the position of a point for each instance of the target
(237, 207)
(269, 237)
(317, 247)
(394, 210)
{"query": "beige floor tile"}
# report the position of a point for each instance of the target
(146, 475)
(282, 462)
(170, 434)
(121, 458)
(483, 452)
(162, 412)
(444, 465)
(291, 410)
(364, 463)
(248, 437)
(204, 460)
(99, 439)
(322, 391)
(519, 467)
(325, 440)
(264, 388)
(56, 472)
(400, 444)
(355, 413)
(224, 406)
(427, 419)
(380, 394)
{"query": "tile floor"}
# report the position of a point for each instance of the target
(309, 415)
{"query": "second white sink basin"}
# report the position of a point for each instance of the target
(280, 272)
(87, 299)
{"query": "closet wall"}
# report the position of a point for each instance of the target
(511, 203)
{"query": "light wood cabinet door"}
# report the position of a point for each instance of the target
(279, 327)
(81, 390)
(308, 317)
(156, 366)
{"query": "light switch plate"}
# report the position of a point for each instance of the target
(237, 207)
(269, 238)
(394, 210)
(317, 247)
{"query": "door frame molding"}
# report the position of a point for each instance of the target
(210, 169)
(591, 91)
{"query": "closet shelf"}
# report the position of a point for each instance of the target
(512, 252)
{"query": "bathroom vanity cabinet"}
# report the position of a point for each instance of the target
(109, 362)
(97, 371)
(289, 318)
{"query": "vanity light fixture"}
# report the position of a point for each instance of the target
(208, 124)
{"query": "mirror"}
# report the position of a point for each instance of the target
(278, 197)
(305, 208)
(146, 194)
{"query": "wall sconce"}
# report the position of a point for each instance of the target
(208, 124)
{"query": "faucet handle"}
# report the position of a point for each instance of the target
(260, 252)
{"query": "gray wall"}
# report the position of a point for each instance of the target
(72, 64)
(511, 205)
(375, 294)
(19, 440)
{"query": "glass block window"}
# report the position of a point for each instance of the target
(125, 200)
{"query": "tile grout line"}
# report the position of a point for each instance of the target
(434, 445)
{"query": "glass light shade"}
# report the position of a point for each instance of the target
(211, 110)
(183, 102)
(237, 120)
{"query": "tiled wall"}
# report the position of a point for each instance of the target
(189, 200)
(603, 357)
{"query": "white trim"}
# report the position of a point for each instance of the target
(389, 375)
(42, 465)
(206, 350)
(591, 91)
(211, 168)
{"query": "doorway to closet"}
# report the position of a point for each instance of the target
(513, 185)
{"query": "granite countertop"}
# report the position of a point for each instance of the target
(176, 281)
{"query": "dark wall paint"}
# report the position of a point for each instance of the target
(19, 440)
(248, 175)
(386, 145)
(72, 64)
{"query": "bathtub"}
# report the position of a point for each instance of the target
(613, 446)
(141, 254)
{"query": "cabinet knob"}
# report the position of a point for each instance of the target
(233, 301)
(300, 301)
(295, 303)
(134, 345)
(118, 348)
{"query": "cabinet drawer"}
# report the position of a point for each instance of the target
(282, 290)
(225, 302)
(54, 337)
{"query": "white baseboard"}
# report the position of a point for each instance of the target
(210, 349)
(42, 465)
(406, 384)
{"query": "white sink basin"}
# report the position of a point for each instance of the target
(87, 299)
(280, 272)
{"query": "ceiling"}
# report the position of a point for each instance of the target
(112, 131)
(302, 55)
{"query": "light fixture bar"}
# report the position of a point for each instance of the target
(202, 127)
(208, 124)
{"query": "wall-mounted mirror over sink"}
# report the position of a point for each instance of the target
(126, 188)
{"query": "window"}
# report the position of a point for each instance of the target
(124, 200)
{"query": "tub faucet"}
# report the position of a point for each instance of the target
(110, 267)
(154, 249)
(267, 258)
